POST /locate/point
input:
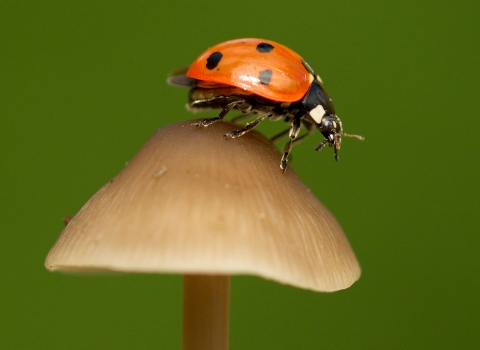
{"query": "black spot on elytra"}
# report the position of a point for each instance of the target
(264, 47)
(265, 76)
(213, 60)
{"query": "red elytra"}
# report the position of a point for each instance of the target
(242, 60)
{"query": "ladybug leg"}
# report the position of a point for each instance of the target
(301, 138)
(283, 133)
(310, 128)
(321, 144)
(293, 133)
(247, 128)
(336, 147)
(227, 109)
(305, 122)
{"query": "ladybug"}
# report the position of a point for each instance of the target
(264, 79)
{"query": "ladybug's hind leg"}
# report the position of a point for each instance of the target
(247, 128)
(227, 109)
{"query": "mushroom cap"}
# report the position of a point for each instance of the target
(191, 201)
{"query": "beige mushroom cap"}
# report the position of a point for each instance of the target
(192, 202)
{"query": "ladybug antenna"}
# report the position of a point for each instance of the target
(356, 136)
(336, 143)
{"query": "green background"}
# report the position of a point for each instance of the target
(82, 87)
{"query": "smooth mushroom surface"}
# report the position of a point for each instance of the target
(193, 202)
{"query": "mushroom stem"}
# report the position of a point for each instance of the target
(206, 300)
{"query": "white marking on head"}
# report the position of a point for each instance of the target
(311, 78)
(317, 113)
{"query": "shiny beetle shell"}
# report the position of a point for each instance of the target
(263, 68)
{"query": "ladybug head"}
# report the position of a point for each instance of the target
(331, 128)
(318, 103)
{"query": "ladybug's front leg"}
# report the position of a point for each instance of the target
(293, 133)
(310, 129)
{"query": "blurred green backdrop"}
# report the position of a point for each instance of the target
(82, 87)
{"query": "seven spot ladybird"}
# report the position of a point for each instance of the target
(261, 77)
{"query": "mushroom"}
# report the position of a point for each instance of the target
(191, 202)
